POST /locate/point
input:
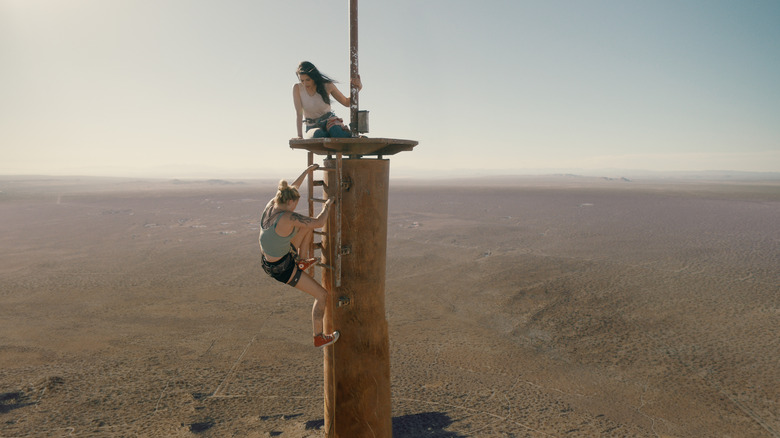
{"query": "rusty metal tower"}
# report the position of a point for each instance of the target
(353, 252)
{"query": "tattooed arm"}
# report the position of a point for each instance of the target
(302, 221)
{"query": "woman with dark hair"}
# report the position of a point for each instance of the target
(282, 231)
(311, 96)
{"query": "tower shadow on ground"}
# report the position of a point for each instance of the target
(422, 425)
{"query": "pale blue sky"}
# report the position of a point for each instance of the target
(179, 88)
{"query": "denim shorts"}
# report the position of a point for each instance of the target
(318, 128)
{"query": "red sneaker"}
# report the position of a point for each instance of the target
(322, 340)
(305, 264)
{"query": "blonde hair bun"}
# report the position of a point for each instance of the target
(286, 193)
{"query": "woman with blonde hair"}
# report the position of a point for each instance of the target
(282, 231)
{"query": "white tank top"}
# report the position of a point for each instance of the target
(313, 106)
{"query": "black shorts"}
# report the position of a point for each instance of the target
(284, 270)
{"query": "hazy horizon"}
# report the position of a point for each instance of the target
(443, 175)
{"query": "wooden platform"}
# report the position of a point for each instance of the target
(354, 146)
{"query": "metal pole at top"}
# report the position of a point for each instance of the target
(353, 65)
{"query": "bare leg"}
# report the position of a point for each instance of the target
(302, 241)
(311, 287)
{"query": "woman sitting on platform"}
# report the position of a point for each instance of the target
(282, 231)
(312, 103)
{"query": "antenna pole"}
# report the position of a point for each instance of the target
(353, 65)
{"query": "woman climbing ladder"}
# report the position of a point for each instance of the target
(282, 231)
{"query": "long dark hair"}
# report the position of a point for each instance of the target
(308, 69)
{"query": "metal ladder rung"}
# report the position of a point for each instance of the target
(340, 185)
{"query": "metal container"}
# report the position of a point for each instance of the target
(362, 121)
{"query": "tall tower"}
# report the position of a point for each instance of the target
(354, 250)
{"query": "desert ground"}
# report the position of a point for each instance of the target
(556, 306)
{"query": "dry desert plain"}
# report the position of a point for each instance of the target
(523, 307)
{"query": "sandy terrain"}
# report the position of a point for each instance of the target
(560, 306)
